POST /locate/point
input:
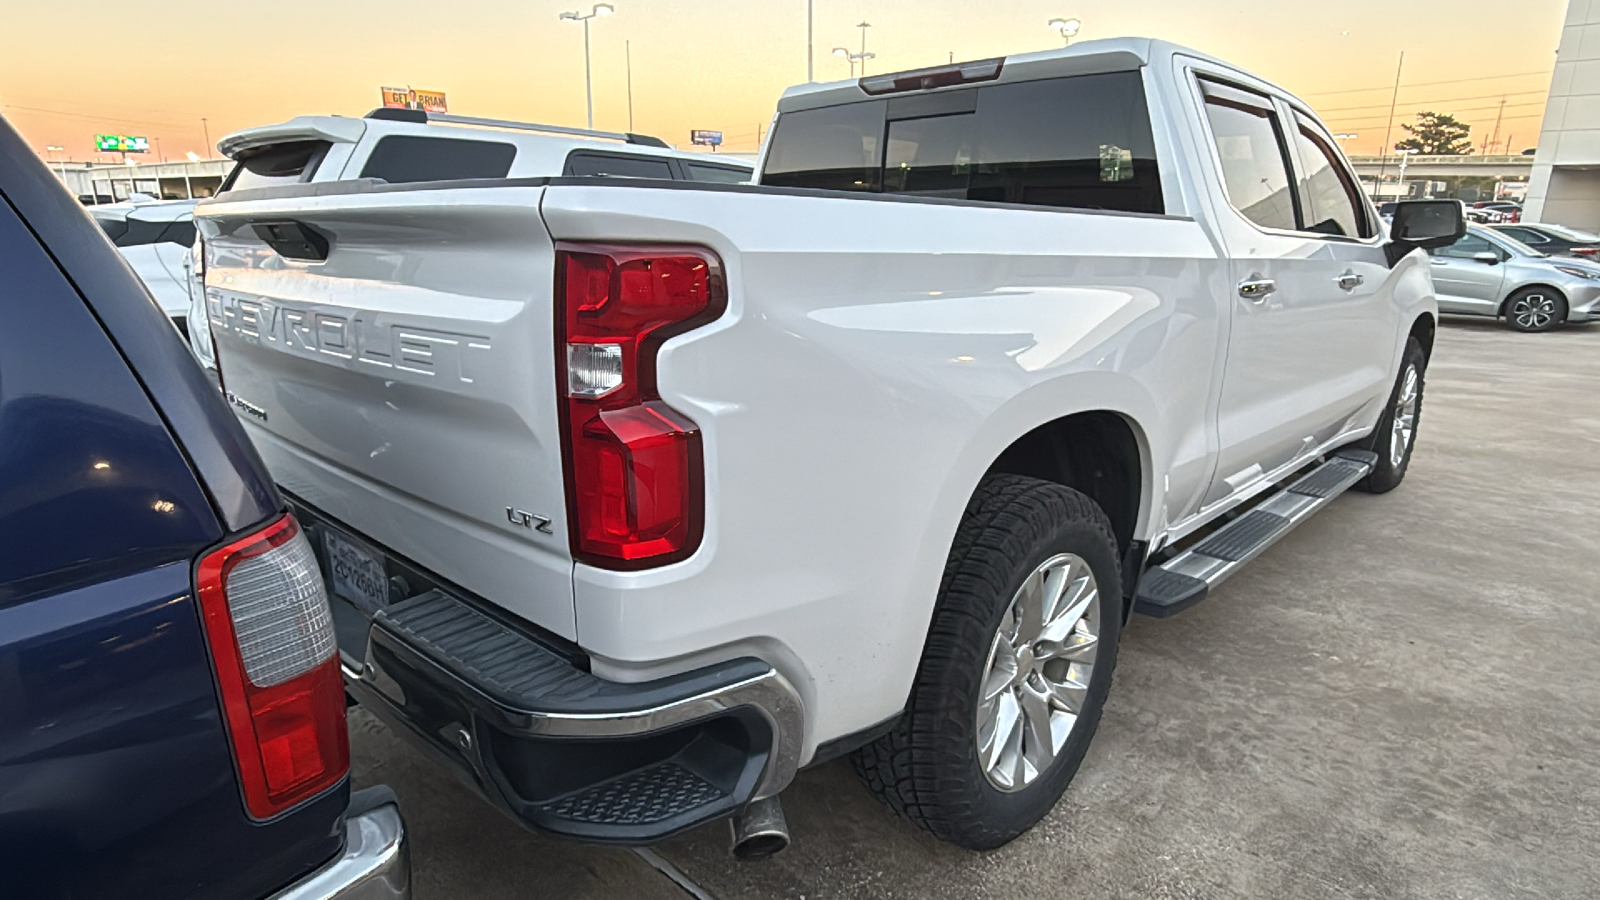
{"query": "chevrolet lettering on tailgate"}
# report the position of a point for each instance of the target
(346, 335)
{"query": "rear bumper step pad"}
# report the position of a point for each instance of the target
(1187, 578)
(565, 751)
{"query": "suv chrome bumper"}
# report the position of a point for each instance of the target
(376, 863)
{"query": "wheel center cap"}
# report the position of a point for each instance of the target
(1025, 663)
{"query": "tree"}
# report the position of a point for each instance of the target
(1436, 134)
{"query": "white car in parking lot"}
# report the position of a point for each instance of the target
(154, 236)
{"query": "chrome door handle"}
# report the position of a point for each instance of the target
(1350, 281)
(1256, 289)
(1438, 262)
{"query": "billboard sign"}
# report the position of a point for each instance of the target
(406, 98)
(121, 143)
(705, 138)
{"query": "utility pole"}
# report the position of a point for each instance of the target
(1495, 138)
(864, 57)
(1383, 152)
(206, 128)
(627, 48)
(810, 51)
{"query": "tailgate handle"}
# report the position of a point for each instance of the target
(293, 240)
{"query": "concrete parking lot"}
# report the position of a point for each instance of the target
(1401, 699)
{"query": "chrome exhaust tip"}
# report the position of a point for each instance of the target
(759, 830)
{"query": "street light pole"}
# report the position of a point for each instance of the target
(1067, 28)
(206, 128)
(62, 164)
(600, 9)
(853, 58)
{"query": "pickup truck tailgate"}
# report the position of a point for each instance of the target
(404, 383)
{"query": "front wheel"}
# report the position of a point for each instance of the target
(1535, 309)
(1396, 434)
(1016, 668)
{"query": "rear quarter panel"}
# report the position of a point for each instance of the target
(875, 359)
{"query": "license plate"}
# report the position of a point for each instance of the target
(358, 574)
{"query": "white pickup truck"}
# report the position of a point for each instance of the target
(638, 496)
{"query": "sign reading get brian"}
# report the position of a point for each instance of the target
(406, 98)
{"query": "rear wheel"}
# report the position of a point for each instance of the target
(1535, 309)
(1016, 669)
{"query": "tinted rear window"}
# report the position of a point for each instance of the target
(718, 174)
(1082, 142)
(616, 165)
(287, 163)
(405, 159)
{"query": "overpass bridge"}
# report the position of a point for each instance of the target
(1430, 167)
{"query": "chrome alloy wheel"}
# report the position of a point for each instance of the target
(1405, 417)
(1533, 311)
(1037, 677)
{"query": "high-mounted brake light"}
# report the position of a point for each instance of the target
(933, 77)
(635, 491)
(272, 645)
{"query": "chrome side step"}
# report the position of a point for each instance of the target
(1185, 580)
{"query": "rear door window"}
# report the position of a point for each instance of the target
(718, 174)
(1082, 142)
(290, 162)
(409, 159)
(1526, 235)
(1254, 156)
(1466, 248)
(616, 165)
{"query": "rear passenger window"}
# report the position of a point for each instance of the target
(1082, 142)
(288, 163)
(1334, 204)
(616, 165)
(1255, 164)
(407, 159)
(718, 174)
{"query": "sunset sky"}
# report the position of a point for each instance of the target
(70, 70)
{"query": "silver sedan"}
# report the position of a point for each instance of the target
(1489, 274)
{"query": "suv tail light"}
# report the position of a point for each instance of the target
(272, 643)
(635, 491)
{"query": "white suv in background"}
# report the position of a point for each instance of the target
(407, 146)
(154, 237)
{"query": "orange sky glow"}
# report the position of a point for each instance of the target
(96, 66)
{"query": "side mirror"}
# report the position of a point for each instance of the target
(1487, 258)
(1424, 224)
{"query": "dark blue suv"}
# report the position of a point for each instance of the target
(171, 713)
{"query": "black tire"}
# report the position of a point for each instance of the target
(927, 768)
(1388, 473)
(1535, 309)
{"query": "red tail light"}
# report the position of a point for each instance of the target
(1586, 251)
(272, 643)
(635, 491)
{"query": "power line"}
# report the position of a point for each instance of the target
(1434, 100)
(96, 118)
(1546, 73)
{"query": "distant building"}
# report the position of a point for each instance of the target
(98, 183)
(1565, 185)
